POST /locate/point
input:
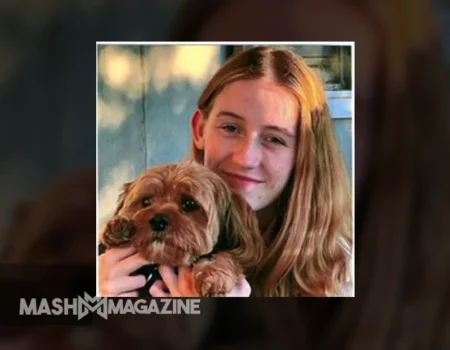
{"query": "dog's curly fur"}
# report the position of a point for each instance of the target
(184, 214)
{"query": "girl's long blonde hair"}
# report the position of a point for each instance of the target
(309, 243)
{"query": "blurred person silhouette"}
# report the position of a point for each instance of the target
(401, 172)
(402, 194)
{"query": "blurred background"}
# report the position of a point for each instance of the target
(48, 86)
(148, 93)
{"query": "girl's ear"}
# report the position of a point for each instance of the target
(198, 126)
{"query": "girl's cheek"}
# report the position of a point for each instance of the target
(280, 163)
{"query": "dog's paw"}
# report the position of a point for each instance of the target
(118, 232)
(213, 281)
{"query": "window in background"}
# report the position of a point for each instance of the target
(332, 63)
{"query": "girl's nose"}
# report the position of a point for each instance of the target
(247, 153)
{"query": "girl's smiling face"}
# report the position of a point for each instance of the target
(250, 138)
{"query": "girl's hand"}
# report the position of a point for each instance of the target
(115, 266)
(182, 285)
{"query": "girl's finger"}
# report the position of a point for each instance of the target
(115, 255)
(242, 289)
(123, 285)
(186, 281)
(130, 264)
(170, 278)
(157, 290)
(128, 295)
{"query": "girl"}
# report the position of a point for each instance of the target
(263, 124)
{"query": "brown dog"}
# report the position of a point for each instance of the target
(185, 215)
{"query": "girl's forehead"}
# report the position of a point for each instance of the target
(262, 89)
(260, 99)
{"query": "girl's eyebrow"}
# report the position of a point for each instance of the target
(273, 127)
(282, 130)
(229, 114)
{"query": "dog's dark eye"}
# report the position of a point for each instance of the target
(146, 202)
(188, 204)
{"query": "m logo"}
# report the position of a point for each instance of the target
(95, 304)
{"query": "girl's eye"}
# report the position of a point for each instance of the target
(277, 140)
(230, 128)
(146, 202)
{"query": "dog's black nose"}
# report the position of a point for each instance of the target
(159, 222)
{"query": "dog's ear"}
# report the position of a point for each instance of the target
(120, 201)
(240, 229)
